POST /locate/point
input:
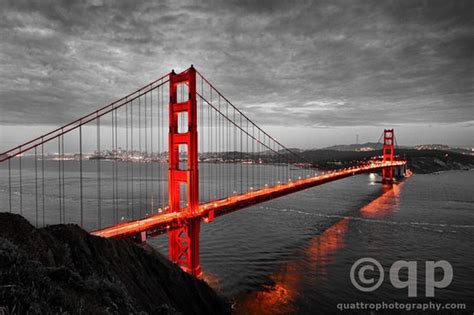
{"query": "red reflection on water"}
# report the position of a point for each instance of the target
(211, 279)
(279, 297)
(384, 205)
(321, 247)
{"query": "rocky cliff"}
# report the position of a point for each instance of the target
(63, 269)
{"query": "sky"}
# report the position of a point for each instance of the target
(312, 73)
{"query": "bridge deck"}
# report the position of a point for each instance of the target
(162, 223)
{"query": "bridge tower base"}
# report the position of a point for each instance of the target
(400, 171)
(388, 155)
(184, 180)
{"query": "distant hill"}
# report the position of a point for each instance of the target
(419, 161)
(431, 147)
(443, 147)
(360, 147)
(372, 146)
(291, 149)
(368, 146)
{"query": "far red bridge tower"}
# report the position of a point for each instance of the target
(388, 152)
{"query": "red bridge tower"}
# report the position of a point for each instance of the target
(388, 152)
(184, 242)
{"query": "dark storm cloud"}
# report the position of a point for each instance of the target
(331, 63)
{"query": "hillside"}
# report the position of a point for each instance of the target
(419, 161)
(63, 269)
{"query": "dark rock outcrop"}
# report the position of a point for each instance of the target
(63, 269)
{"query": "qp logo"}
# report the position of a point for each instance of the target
(367, 275)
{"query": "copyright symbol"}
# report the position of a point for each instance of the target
(364, 272)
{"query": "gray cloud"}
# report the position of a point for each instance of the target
(311, 63)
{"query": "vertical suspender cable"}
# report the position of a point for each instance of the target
(234, 149)
(99, 155)
(247, 154)
(146, 155)
(241, 158)
(62, 179)
(209, 147)
(36, 184)
(59, 180)
(21, 187)
(201, 130)
(9, 185)
(42, 178)
(81, 188)
(259, 182)
(159, 153)
(162, 149)
(211, 188)
(228, 149)
(132, 162)
(140, 196)
(127, 162)
(222, 155)
(218, 154)
(152, 154)
(231, 141)
(253, 156)
(116, 169)
(113, 170)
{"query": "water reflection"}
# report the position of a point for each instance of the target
(385, 204)
(212, 280)
(309, 266)
(278, 297)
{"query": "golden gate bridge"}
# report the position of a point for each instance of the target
(164, 158)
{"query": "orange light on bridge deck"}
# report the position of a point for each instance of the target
(251, 197)
(209, 218)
